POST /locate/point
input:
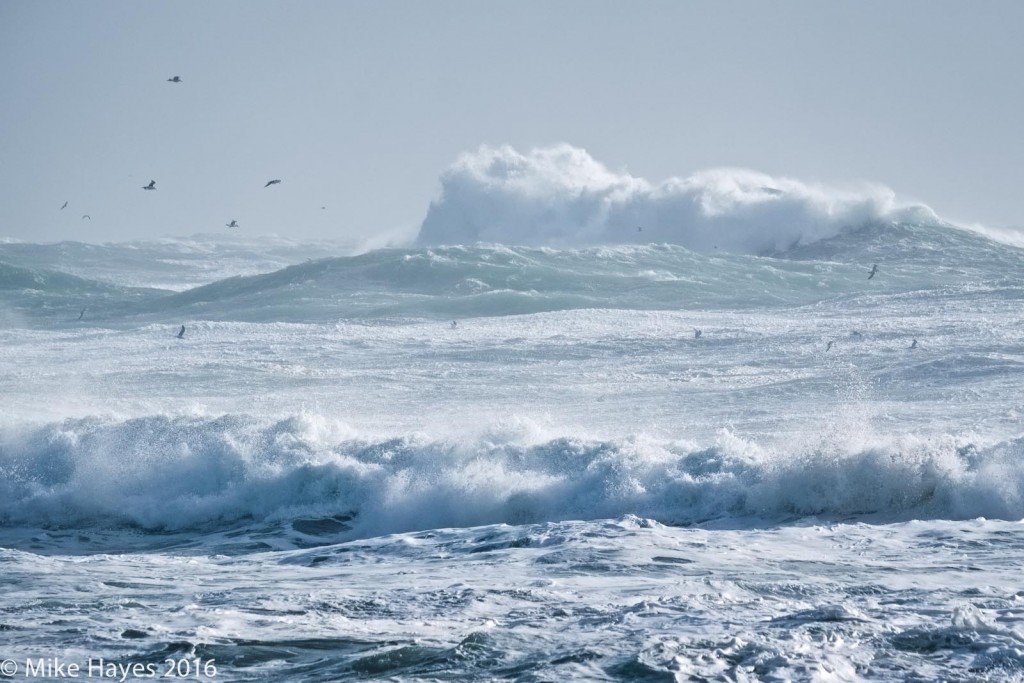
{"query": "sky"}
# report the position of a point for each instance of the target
(359, 107)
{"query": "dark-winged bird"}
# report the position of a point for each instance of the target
(151, 186)
(271, 182)
(874, 269)
(64, 207)
(176, 79)
(181, 332)
(85, 216)
(232, 224)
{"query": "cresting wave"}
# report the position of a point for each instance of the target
(176, 473)
(560, 196)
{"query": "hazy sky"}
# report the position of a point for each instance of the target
(358, 107)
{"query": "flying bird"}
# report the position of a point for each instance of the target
(64, 207)
(81, 314)
(874, 269)
(176, 79)
(696, 333)
(181, 332)
(232, 224)
(272, 182)
(829, 345)
(914, 344)
(85, 216)
(151, 186)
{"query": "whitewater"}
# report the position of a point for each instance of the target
(501, 450)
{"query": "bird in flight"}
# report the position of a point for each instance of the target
(232, 224)
(64, 207)
(914, 345)
(81, 314)
(181, 333)
(176, 79)
(829, 347)
(272, 182)
(86, 216)
(696, 333)
(874, 269)
(151, 186)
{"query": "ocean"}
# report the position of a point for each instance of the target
(497, 462)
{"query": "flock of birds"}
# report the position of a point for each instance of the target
(855, 334)
(152, 186)
(276, 181)
(152, 183)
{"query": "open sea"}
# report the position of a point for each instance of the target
(487, 462)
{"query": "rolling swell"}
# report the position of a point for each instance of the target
(494, 280)
(164, 473)
(466, 281)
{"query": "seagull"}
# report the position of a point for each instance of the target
(874, 269)
(85, 215)
(81, 314)
(830, 343)
(696, 333)
(232, 224)
(454, 324)
(151, 186)
(64, 207)
(176, 79)
(271, 182)
(914, 344)
(181, 332)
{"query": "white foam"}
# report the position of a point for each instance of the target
(561, 196)
(164, 472)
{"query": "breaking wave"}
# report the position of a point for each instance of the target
(560, 196)
(175, 473)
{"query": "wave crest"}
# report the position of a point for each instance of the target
(560, 196)
(168, 473)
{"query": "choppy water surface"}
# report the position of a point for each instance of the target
(325, 479)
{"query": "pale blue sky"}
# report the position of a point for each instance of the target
(359, 106)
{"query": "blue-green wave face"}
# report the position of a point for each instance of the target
(494, 280)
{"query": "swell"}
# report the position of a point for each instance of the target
(166, 473)
(482, 280)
